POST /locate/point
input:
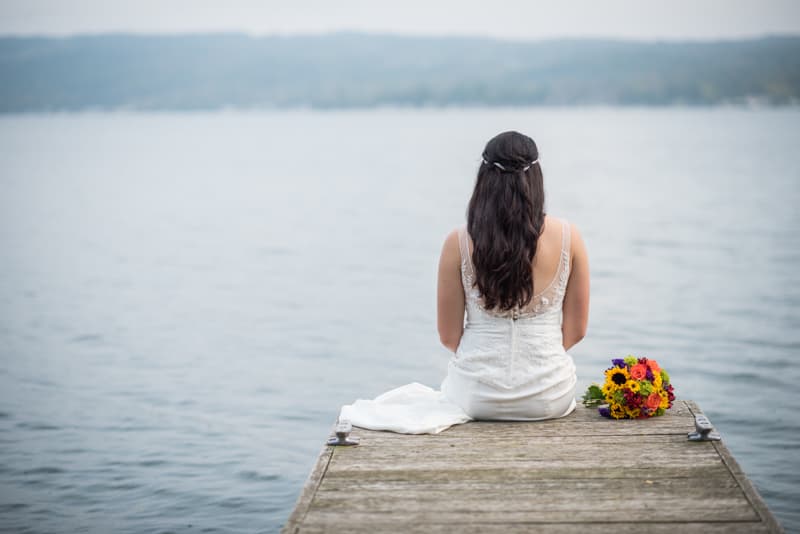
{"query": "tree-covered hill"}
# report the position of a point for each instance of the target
(359, 70)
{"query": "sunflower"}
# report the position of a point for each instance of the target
(633, 413)
(664, 400)
(608, 388)
(657, 380)
(617, 411)
(617, 376)
(632, 385)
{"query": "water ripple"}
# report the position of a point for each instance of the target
(258, 477)
(45, 470)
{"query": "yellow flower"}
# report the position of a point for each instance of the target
(617, 411)
(608, 389)
(632, 385)
(633, 413)
(657, 381)
(617, 376)
(664, 399)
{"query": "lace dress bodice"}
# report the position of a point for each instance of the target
(517, 347)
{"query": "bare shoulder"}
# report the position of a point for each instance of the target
(450, 259)
(577, 246)
(450, 248)
(575, 233)
(452, 238)
(554, 225)
(453, 234)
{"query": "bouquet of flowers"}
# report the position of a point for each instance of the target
(635, 388)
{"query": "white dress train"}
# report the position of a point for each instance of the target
(508, 366)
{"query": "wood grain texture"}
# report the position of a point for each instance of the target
(309, 490)
(559, 476)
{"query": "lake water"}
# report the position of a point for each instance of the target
(187, 299)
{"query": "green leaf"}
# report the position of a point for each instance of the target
(593, 396)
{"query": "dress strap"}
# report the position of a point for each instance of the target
(466, 259)
(566, 236)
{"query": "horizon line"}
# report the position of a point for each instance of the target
(401, 35)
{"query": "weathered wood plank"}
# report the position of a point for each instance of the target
(553, 476)
(718, 484)
(650, 480)
(354, 527)
(340, 518)
(534, 453)
(536, 507)
(512, 475)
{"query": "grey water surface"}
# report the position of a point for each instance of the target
(187, 299)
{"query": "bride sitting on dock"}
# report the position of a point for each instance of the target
(522, 279)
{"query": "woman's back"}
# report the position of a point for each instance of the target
(549, 268)
(512, 364)
(521, 278)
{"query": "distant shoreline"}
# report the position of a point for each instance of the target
(150, 72)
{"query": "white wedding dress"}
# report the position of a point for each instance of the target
(508, 366)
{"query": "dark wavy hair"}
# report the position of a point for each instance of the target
(505, 219)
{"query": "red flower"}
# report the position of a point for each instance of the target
(632, 400)
(639, 371)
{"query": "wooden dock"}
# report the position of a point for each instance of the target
(565, 475)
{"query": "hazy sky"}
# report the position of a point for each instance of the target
(513, 19)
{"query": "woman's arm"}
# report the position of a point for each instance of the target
(450, 294)
(576, 299)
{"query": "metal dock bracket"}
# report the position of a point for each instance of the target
(342, 430)
(704, 430)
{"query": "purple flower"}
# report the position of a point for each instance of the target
(649, 374)
(618, 362)
(604, 411)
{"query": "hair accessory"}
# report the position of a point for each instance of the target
(502, 167)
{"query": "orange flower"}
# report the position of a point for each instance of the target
(638, 371)
(653, 365)
(653, 401)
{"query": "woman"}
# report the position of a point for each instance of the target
(522, 277)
